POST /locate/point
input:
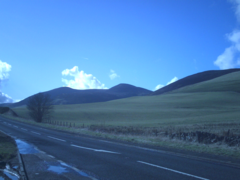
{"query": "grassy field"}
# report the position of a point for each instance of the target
(152, 111)
(213, 101)
(229, 82)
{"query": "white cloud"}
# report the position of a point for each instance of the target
(113, 74)
(172, 80)
(161, 86)
(17, 100)
(228, 58)
(4, 70)
(4, 98)
(237, 8)
(81, 80)
(158, 87)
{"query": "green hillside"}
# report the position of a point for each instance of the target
(212, 101)
(229, 82)
(168, 109)
(194, 79)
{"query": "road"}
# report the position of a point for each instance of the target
(117, 161)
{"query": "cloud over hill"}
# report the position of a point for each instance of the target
(81, 80)
(5, 68)
(230, 57)
(113, 74)
(161, 86)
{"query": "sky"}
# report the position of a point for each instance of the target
(98, 44)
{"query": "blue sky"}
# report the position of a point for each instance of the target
(46, 44)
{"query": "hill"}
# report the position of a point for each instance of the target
(167, 109)
(66, 95)
(213, 101)
(194, 79)
(229, 82)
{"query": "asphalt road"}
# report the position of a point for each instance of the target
(117, 161)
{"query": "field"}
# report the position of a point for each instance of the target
(151, 111)
(229, 82)
(213, 101)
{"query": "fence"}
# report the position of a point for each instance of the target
(64, 124)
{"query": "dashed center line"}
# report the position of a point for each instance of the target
(173, 170)
(24, 129)
(35, 132)
(96, 150)
(16, 126)
(57, 138)
(51, 156)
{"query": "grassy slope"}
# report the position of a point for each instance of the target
(168, 109)
(193, 79)
(229, 82)
(215, 100)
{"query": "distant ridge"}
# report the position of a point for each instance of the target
(193, 79)
(130, 89)
(226, 83)
(66, 95)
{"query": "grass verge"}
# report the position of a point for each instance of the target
(8, 148)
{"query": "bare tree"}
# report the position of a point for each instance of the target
(40, 107)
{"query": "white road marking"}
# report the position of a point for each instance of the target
(105, 141)
(100, 150)
(41, 151)
(172, 170)
(82, 147)
(57, 138)
(35, 132)
(96, 150)
(51, 156)
(16, 126)
(24, 129)
(76, 169)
